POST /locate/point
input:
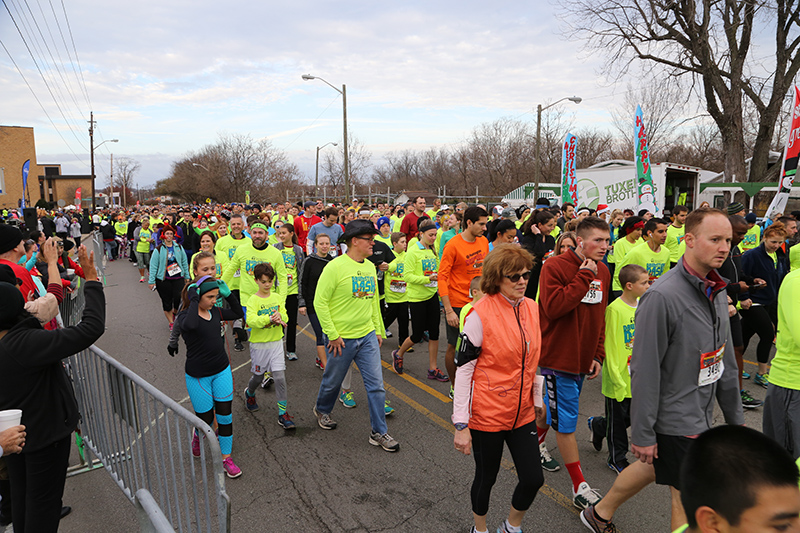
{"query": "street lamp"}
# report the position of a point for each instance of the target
(201, 166)
(91, 153)
(538, 167)
(343, 92)
(316, 179)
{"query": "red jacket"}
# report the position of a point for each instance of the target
(502, 384)
(573, 330)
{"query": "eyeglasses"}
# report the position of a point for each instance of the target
(515, 277)
(370, 239)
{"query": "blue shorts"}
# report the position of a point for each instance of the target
(203, 392)
(563, 395)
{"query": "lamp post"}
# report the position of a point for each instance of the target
(538, 167)
(91, 154)
(316, 178)
(343, 92)
(201, 166)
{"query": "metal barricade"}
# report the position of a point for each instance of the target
(142, 437)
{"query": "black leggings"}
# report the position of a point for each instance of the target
(487, 448)
(425, 317)
(760, 320)
(397, 311)
(291, 323)
(170, 292)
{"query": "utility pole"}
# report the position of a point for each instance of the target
(111, 180)
(91, 155)
(346, 155)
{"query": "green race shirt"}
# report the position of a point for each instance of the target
(774, 257)
(620, 329)
(656, 263)
(259, 311)
(420, 264)
(346, 300)
(393, 283)
(245, 259)
(675, 242)
(121, 228)
(617, 256)
(143, 244)
(751, 239)
(224, 249)
(794, 257)
(785, 371)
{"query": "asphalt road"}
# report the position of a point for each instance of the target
(334, 481)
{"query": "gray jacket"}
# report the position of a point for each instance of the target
(675, 323)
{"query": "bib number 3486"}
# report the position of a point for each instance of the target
(711, 367)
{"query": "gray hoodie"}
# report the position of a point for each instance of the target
(675, 323)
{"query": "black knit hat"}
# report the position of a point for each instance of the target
(13, 304)
(734, 208)
(10, 237)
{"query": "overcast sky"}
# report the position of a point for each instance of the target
(167, 76)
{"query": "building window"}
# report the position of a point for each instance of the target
(3, 181)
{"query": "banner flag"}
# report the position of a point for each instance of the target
(789, 165)
(569, 182)
(644, 176)
(247, 197)
(78, 196)
(26, 168)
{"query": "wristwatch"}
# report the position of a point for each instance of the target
(460, 426)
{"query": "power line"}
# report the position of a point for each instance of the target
(72, 62)
(77, 59)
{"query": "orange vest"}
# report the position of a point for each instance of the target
(502, 384)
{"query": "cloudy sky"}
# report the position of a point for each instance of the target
(167, 76)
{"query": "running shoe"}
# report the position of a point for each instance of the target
(596, 438)
(387, 409)
(745, 375)
(324, 420)
(267, 381)
(250, 401)
(748, 402)
(347, 399)
(195, 444)
(761, 380)
(285, 420)
(452, 393)
(238, 346)
(291, 356)
(618, 467)
(397, 362)
(410, 350)
(385, 441)
(389, 334)
(141, 280)
(231, 469)
(548, 463)
(319, 364)
(437, 375)
(595, 523)
(503, 529)
(585, 496)
(170, 325)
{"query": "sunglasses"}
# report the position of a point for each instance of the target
(515, 277)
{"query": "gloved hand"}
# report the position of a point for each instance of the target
(224, 290)
(172, 349)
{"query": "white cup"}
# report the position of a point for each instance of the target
(10, 418)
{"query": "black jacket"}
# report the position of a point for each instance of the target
(538, 246)
(309, 276)
(32, 377)
(381, 253)
(48, 226)
(758, 264)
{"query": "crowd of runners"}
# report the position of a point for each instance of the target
(534, 300)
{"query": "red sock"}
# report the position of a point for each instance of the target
(576, 474)
(542, 432)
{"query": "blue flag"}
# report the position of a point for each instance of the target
(26, 167)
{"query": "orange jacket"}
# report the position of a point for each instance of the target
(502, 384)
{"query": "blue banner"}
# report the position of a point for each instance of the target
(26, 167)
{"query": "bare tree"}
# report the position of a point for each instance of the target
(710, 42)
(125, 168)
(359, 157)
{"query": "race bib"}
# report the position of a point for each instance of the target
(173, 269)
(711, 367)
(432, 284)
(397, 285)
(237, 274)
(595, 293)
(289, 279)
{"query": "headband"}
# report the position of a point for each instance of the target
(638, 225)
(261, 225)
(206, 286)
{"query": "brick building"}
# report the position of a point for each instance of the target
(17, 145)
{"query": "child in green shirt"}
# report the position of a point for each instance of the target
(266, 315)
(395, 289)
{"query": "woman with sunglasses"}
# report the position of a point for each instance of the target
(421, 272)
(494, 395)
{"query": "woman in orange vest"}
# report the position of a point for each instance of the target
(497, 356)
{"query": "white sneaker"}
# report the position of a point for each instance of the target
(585, 496)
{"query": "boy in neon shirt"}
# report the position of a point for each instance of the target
(616, 388)
(267, 317)
(676, 233)
(753, 236)
(632, 230)
(651, 254)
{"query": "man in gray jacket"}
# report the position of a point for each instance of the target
(682, 359)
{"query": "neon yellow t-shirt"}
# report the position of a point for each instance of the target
(143, 244)
(386, 240)
(121, 228)
(420, 264)
(225, 248)
(785, 371)
(290, 262)
(656, 263)
(794, 257)
(675, 242)
(751, 239)
(393, 283)
(259, 311)
(774, 257)
(556, 232)
(620, 329)
(617, 255)
(245, 259)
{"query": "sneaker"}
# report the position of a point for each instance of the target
(548, 463)
(170, 325)
(238, 346)
(250, 401)
(761, 380)
(748, 402)
(591, 520)
(141, 280)
(324, 420)
(285, 420)
(437, 375)
(387, 409)
(267, 381)
(745, 375)
(347, 399)
(585, 496)
(389, 334)
(397, 362)
(385, 441)
(319, 364)
(291, 356)
(618, 467)
(452, 393)
(231, 469)
(410, 350)
(596, 438)
(502, 528)
(195, 444)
